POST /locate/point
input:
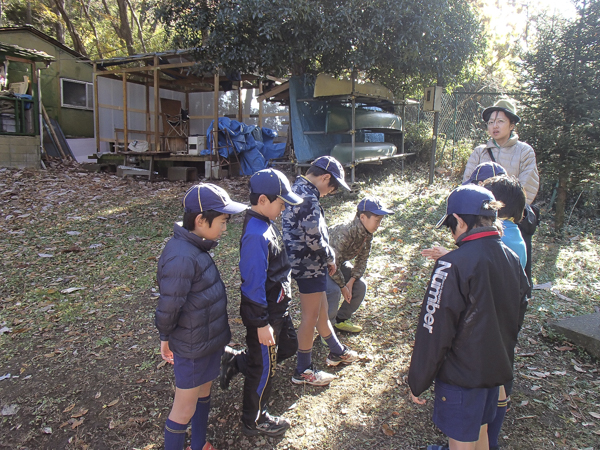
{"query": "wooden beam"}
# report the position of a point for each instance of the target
(156, 105)
(149, 68)
(96, 109)
(273, 92)
(260, 106)
(126, 136)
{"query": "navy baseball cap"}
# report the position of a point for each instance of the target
(205, 197)
(468, 199)
(273, 182)
(332, 166)
(484, 171)
(373, 205)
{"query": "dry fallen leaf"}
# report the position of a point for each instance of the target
(69, 408)
(595, 414)
(579, 369)
(564, 348)
(113, 403)
(82, 412)
(387, 430)
(161, 364)
(76, 423)
(535, 388)
(98, 394)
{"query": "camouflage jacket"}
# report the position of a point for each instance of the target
(305, 233)
(350, 241)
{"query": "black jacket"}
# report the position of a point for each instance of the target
(265, 272)
(471, 315)
(192, 307)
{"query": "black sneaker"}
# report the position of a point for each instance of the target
(229, 368)
(272, 426)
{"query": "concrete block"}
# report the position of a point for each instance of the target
(178, 173)
(582, 330)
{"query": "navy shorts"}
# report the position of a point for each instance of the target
(312, 285)
(460, 412)
(191, 373)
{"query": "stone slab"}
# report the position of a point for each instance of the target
(581, 330)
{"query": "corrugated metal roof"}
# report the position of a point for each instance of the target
(26, 53)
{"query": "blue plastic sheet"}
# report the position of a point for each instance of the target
(254, 145)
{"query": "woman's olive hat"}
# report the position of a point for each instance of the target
(504, 105)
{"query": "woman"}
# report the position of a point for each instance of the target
(504, 147)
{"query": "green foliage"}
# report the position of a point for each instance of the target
(561, 89)
(417, 139)
(402, 44)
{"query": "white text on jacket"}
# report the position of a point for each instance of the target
(435, 292)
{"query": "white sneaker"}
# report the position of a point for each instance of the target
(347, 357)
(313, 377)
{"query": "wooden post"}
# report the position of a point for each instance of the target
(125, 125)
(148, 124)
(156, 106)
(52, 132)
(260, 105)
(96, 109)
(215, 129)
(240, 104)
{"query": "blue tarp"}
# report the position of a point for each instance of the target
(253, 144)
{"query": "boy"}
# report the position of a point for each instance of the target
(307, 244)
(266, 292)
(352, 241)
(191, 315)
(469, 322)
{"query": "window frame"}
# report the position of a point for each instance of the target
(88, 97)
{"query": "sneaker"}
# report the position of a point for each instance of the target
(348, 326)
(207, 446)
(347, 357)
(272, 426)
(229, 368)
(313, 377)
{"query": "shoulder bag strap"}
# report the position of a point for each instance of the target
(491, 154)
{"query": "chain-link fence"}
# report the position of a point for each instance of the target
(460, 116)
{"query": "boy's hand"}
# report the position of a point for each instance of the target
(418, 400)
(347, 290)
(265, 336)
(165, 352)
(332, 268)
(434, 252)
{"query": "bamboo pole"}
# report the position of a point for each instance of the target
(215, 129)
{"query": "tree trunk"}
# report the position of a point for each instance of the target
(561, 200)
(58, 26)
(139, 27)
(77, 43)
(124, 27)
(91, 22)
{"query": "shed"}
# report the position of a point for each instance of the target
(20, 141)
(66, 86)
(164, 101)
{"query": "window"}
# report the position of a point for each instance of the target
(76, 94)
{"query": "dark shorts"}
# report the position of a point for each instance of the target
(312, 285)
(459, 412)
(191, 373)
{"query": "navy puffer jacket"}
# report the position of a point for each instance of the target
(192, 307)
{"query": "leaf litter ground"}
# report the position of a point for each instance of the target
(79, 351)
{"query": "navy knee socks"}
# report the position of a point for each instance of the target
(174, 435)
(200, 423)
(334, 344)
(496, 424)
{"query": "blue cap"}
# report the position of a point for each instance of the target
(273, 182)
(205, 197)
(484, 171)
(468, 199)
(332, 166)
(373, 205)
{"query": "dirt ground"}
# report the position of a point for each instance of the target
(80, 366)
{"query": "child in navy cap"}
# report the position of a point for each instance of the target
(191, 315)
(266, 292)
(470, 318)
(352, 241)
(312, 258)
